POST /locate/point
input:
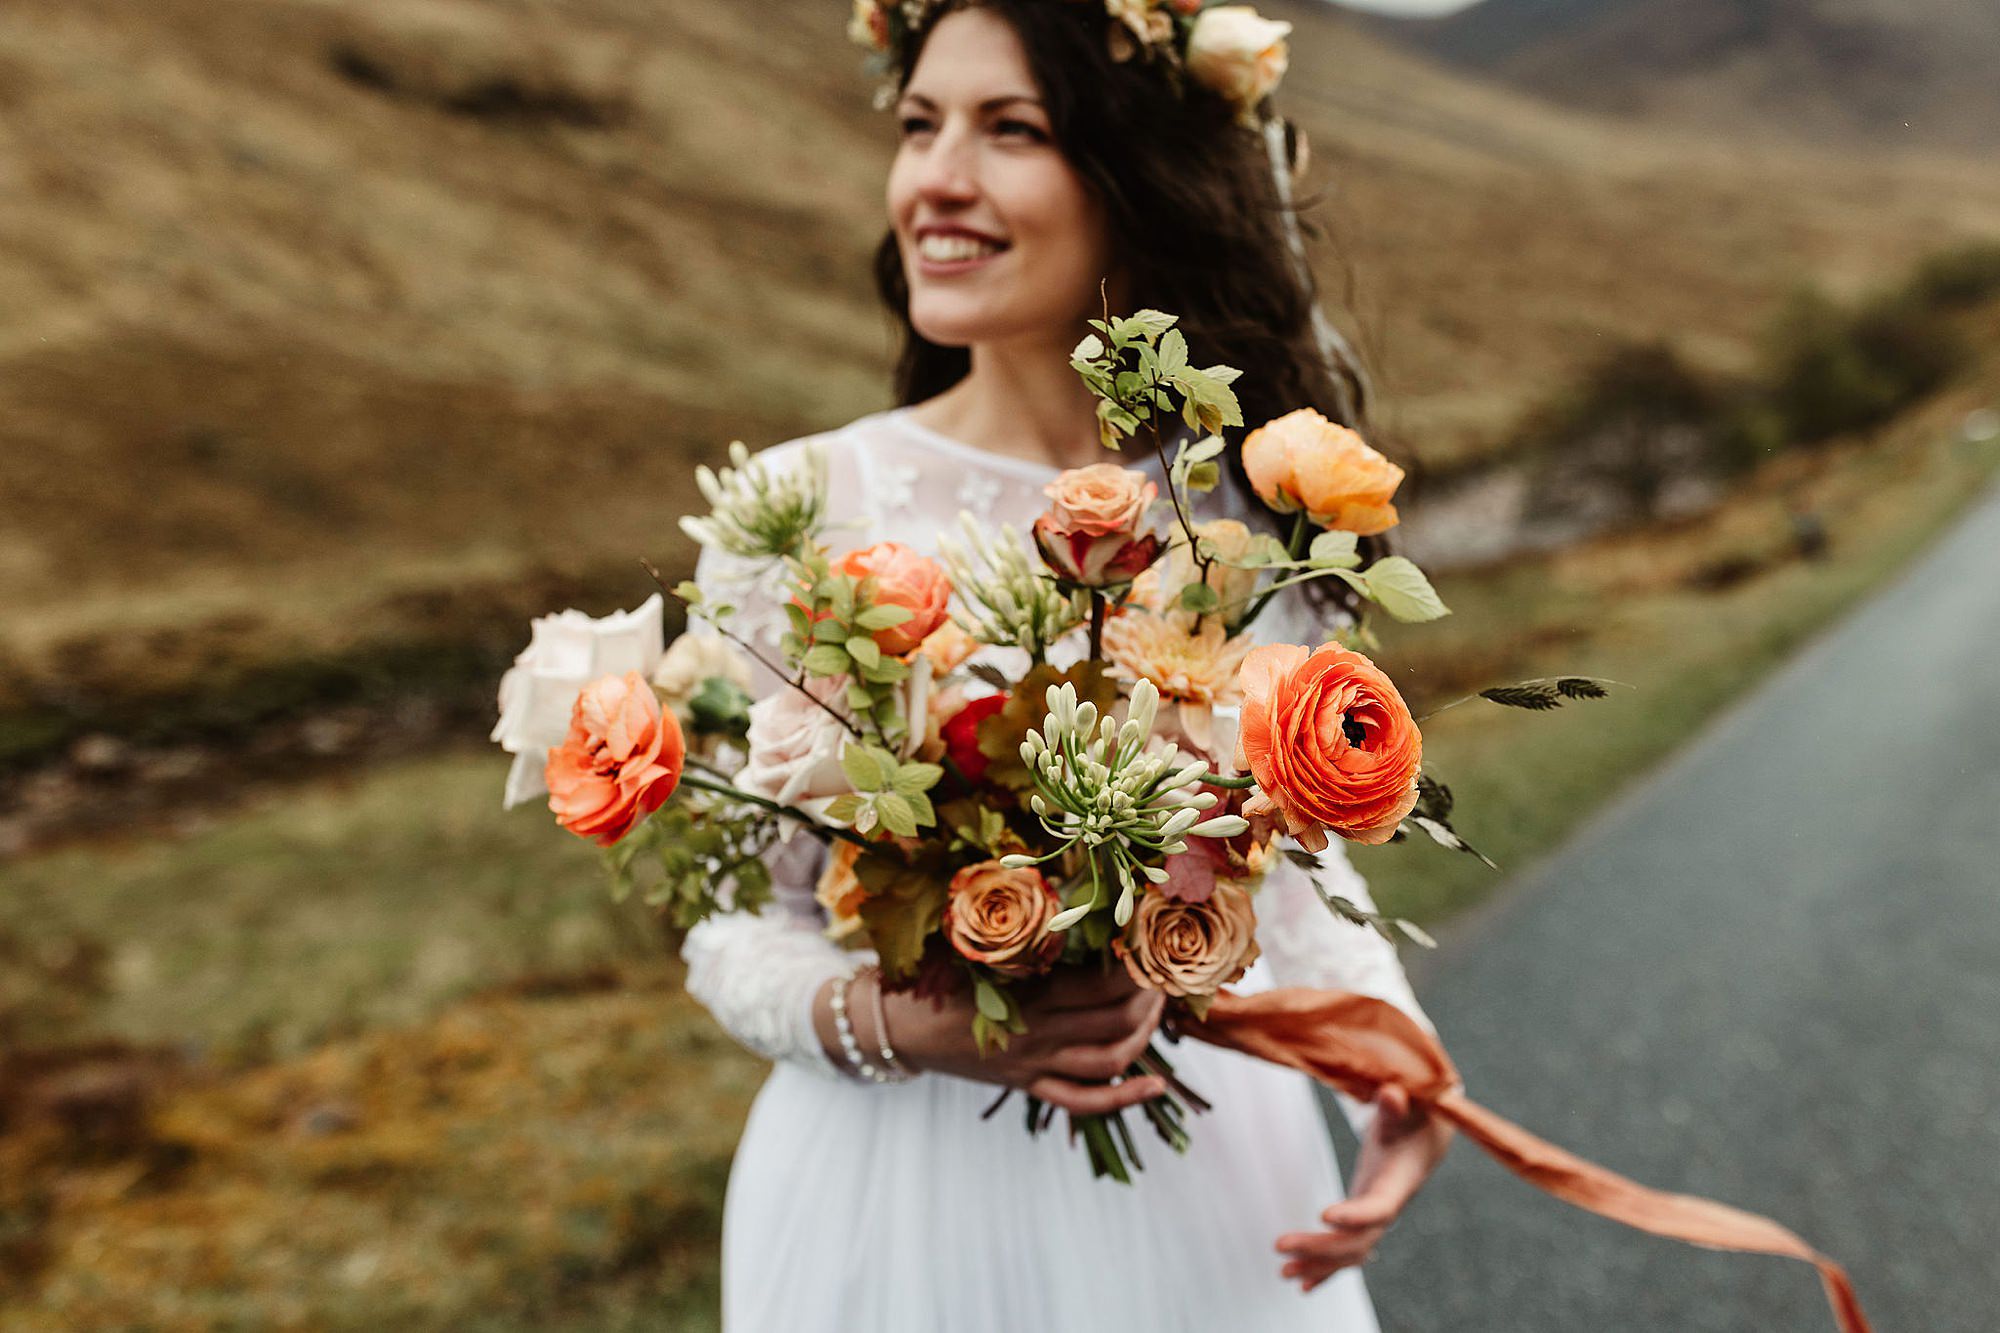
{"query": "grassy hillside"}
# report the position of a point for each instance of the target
(327, 325)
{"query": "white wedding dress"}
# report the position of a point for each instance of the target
(862, 1208)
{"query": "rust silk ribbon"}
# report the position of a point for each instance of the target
(1357, 1044)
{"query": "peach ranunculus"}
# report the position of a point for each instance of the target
(1159, 587)
(1000, 917)
(1190, 948)
(1090, 532)
(1330, 742)
(1238, 53)
(619, 763)
(1196, 670)
(906, 579)
(1303, 461)
(948, 646)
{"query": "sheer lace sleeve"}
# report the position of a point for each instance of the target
(758, 973)
(1305, 944)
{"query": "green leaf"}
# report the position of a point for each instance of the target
(1089, 349)
(992, 1004)
(863, 650)
(1199, 598)
(916, 779)
(844, 809)
(826, 659)
(1203, 478)
(688, 591)
(858, 697)
(898, 815)
(863, 769)
(920, 806)
(828, 630)
(1202, 450)
(1173, 352)
(887, 615)
(1151, 324)
(1333, 549)
(1403, 591)
(1264, 550)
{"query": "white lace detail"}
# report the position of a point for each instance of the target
(977, 494)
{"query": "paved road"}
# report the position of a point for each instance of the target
(1771, 976)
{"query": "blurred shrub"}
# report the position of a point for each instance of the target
(1958, 278)
(1634, 421)
(1832, 371)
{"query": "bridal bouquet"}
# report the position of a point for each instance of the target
(1053, 749)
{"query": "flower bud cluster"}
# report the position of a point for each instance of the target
(1109, 787)
(1008, 600)
(756, 511)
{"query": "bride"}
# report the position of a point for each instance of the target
(1050, 158)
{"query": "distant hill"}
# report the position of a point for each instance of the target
(316, 315)
(1923, 72)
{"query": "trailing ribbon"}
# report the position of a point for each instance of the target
(1358, 1044)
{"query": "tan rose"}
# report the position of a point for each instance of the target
(1000, 917)
(1190, 948)
(1304, 461)
(1238, 53)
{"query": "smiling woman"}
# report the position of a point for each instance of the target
(1053, 159)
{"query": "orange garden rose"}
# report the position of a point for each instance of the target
(948, 647)
(1303, 461)
(1330, 742)
(840, 891)
(1000, 917)
(1090, 533)
(1186, 947)
(906, 579)
(620, 761)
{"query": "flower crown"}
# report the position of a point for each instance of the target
(1230, 49)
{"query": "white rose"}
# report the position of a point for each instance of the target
(1238, 53)
(694, 658)
(795, 744)
(566, 652)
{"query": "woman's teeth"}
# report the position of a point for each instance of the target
(940, 249)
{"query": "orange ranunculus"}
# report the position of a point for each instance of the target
(1000, 917)
(840, 891)
(906, 579)
(1330, 742)
(620, 761)
(1303, 461)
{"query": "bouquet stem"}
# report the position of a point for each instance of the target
(1107, 1139)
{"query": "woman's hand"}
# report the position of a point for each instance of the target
(1084, 1028)
(1400, 1151)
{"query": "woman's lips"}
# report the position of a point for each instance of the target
(947, 253)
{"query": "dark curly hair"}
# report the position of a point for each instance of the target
(1191, 200)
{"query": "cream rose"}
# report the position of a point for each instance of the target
(795, 744)
(1238, 53)
(566, 652)
(694, 658)
(1190, 948)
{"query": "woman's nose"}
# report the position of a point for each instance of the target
(950, 173)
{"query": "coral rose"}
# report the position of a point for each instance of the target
(902, 578)
(1000, 917)
(1090, 533)
(1330, 742)
(1185, 947)
(620, 761)
(1303, 461)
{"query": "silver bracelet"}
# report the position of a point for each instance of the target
(898, 1072)
(844, 1027)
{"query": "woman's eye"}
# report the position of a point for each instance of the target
(1020, 129)
(913, 125)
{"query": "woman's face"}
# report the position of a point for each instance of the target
(1000, 236)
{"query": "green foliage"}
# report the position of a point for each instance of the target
(720, 707)
(680, 860)
(904, 904)
(997, 1016)
(887, 792)
(1138, 367)
(831, 632)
